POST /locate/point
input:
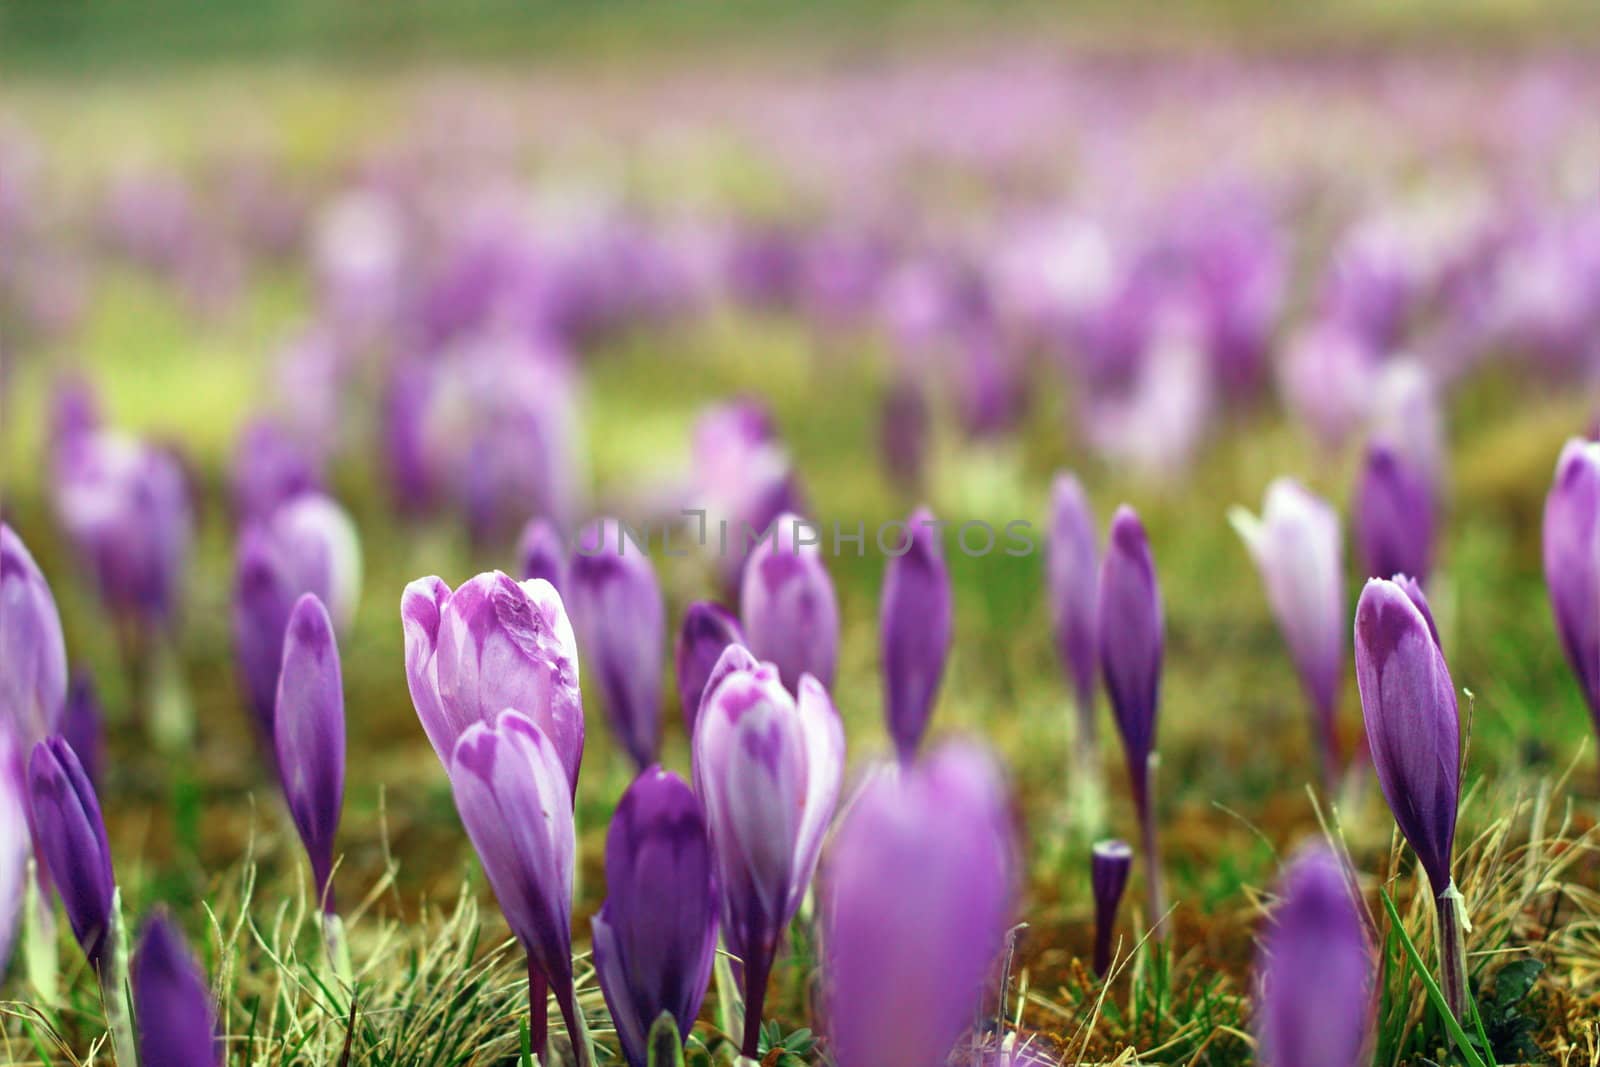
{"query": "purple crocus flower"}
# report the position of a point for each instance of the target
(767, 767)
(33, 685)
(1572, 562)
(15, 844)
(493, 644)
(1409, 586)
(542, 554)
(307, 545)
(308, 733)
(83, 726)
(270, 466)
(655, 937)
(71, 838)
(903, 434)
(914, 628)
(513, 791)
(919, 890)
(1071, 573)
(1326, 379)
(1130, 624)
(743, 480)
(1315, 998)
(1394, 515)
(1414, 734)
(617, 608)
(1109, 864)
(1297, 545)
(177, 1019)
(708, 628)
(787, 603)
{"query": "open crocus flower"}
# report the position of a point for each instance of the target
(512, 791)
(1298, 548)
(1315, 996)
(914, 627)
(492, 644)
(617, 607)
(790, 613)
(33, 684)
(919, 889)
(655, 938)
(1572, 563)
(767, 767)
(307, 545)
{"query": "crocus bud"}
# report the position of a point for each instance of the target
(1414, 735)
(1394, 516)
(1297, 546)
(270, 467)
(1129, 622)
(541, 554)
(914, 624)
(1070, 569)
(1572, 562)
(493, 644)
(767, 767)
(83, 726)
(788, 606)
(1109, 864)
(655, 937)
(708, 628)
(177, 1020)
(14, 844)
(71, 837)
(514, 795)
(307, 545)
(33, 684)
(919, 889)
(309, 735)
(1314, 1000)
(1409, 586)
(617, 608)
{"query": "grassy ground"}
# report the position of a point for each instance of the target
(437, 984)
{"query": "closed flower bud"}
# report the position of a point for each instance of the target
(914, 621)
(787, 604)
(708, 628)
(309, 735)
(1394, 515)
(918, 892)
(655, 938)
(33, 684)
(541, 554)
(621, 621)
(493, 644)
(15, 846)
(767, 767)
(177, 1019)
(1070, 570)
(71, 837)
(1109, 865)
(1572, 562)
(83, 726)
(515, 800)
(1314, 999)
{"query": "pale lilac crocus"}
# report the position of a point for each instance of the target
(1572, 563)
(914, 632)
(308, 730)
(33, 685)
(787, 603)
(1071, 577)
(542, 554)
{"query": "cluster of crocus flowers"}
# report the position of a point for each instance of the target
(1414, 734)
(915, 628)
(918, 892)
(1297, 546)
(1315, 995)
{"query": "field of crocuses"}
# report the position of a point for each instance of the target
(982, 556)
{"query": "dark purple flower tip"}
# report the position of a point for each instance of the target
(620, 618)
(309, 735)
(787, 603)
(918, 892)
(655, 937)
(33, 684)
(1315, 997)
(70, 834)
(1130, 624)
(83, 726)
(176, 1017)
(708, 629)
(1413, 724)
(914, 628)
(1110, 862)
(1394, 515)
(1409, 586)
(1572, 562)
(542, 554)
(1071, 570)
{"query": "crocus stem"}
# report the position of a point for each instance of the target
(171, 715)
(42, 957)
(1090, 789)
(577, 1031)
(1155, 900)
(538, 1013)
(114, 987)
(755, 996)
(1105, 921)
(338, 948)
(729, 1016)
(1453, 951)
(1327, 740)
